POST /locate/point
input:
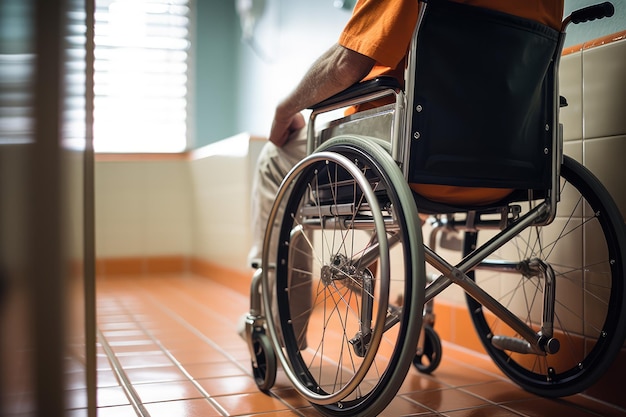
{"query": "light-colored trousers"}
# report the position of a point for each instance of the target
(273, 164)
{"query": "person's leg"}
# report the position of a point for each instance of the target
(272, 166)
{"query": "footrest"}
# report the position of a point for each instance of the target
(513, 344)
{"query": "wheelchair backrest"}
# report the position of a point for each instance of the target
(482, 88)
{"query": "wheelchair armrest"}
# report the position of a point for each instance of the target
(360, 89)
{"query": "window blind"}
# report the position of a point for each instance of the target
(140, 80)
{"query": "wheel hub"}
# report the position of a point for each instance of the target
(339, 268)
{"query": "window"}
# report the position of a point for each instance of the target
(141, 62)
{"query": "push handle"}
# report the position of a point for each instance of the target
(597, 11)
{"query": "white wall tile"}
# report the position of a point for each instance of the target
(604, 90)
(143, 208)
(221, 202)
(605, 158)
(571, 87)
(574, 149)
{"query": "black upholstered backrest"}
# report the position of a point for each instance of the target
(483, 99)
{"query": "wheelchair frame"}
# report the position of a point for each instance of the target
(510, 222)
(541, 215)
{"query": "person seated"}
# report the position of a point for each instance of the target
(373, 43)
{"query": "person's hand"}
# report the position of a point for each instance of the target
(282, 128)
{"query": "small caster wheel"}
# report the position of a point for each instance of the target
(264, 363)
(428, 360)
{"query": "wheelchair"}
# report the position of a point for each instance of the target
(342, 301)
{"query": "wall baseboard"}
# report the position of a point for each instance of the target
(237, 279)
(171, 264)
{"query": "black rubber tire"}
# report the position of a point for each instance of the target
(365, 384)
(266, 367)
(427, 361)
(590, 340)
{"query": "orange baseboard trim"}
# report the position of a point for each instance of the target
(141, 265)
(237, 279)
(593, 43)
(454, 324)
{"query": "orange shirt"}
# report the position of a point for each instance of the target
(382, 30)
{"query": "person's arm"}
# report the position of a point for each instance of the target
(334, 71)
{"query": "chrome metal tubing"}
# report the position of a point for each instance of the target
(457, 275)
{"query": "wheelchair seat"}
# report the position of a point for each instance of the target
(483, 105)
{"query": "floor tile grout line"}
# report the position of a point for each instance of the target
(482, 356)
(493, 403)
(211, 343)
(460, 388)
(130, 392)
(180, 366)
(604, 403)
(184, 294)
(512, 383)
(202, 307)
(488, 403)
(563, 401)
(177, 317)
(430, 410)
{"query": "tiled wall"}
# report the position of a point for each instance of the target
(592, 79)
(143, 207)
(221, 175)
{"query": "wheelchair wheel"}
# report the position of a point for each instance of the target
(585, 247)
(348, 285)
(264, 368)
(429, 358)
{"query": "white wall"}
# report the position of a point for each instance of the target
(195, 206)
(288, 38)
(143, 208)
(221, 175)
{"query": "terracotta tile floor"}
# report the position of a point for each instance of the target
(168, 347)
